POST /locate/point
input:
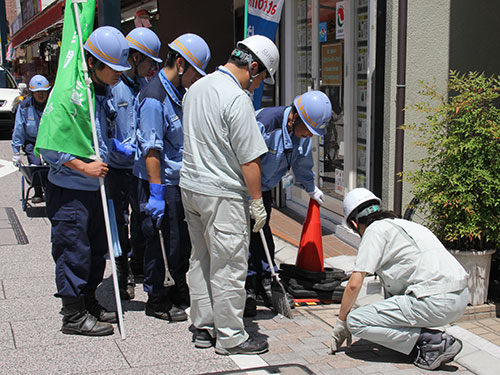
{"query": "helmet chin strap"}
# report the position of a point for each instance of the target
(93, 75)
(136, 65)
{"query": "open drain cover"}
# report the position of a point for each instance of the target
(11, 228)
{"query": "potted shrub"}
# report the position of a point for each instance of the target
(458, 181)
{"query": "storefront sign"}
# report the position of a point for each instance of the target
(331, 64)
(340, 19)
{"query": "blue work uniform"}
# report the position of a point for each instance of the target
(26, 126)
(121, 184)
(160, 128)
(74, 208)
(285, 152)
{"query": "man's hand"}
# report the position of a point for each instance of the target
(317, 195)
(259, 214)
(156, 203)
(16, 159)
(339, 335)
(95, 169)
(125, 149)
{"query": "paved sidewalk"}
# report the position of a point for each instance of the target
(31, 343)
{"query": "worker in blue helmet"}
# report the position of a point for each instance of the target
(74, 206)
(121, 184)
(29, 113)
(158, 161)
(287, 131)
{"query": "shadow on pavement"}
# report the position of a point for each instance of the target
(106, 297)
(271, 369)
(370, 352)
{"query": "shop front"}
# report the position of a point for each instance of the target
(330, 45)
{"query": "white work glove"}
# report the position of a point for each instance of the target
(258, 213)
(339, 335)
(16, 159)
(317, 195)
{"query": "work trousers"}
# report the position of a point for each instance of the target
(396, 322)
(219, 230)
(257, 260)
(121, 187)
(79, 242)
(175, 239)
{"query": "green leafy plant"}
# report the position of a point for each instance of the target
(458, 181)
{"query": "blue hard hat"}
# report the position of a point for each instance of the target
(315, 110)
(39, 83)
(194, 49)
(145, 41)
(108, 45)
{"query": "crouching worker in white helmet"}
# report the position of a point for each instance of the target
(287, 131)
(74, 206)
(220, 168)
(426, 285)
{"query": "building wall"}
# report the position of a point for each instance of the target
(11, 10)
(428, 59)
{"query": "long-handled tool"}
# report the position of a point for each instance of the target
(169, 280)
(280, 300)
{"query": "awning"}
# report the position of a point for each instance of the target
(48, 18)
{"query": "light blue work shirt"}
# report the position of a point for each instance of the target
(26, 124)
(124, 126)
(285, 151)
(159, 127)
(69, 178)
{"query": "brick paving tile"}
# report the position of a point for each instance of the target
(288, 342)
(468, 324)
(318, 359)
(292, 336)
(318, 368)
(384, 368)
(293, 371)
(479, 331)
(279, 348)
(344, 371)
(322, 351)
(276, 332)
(313, 342)
(320, 333)
(496, 341)
(343, 363)
(490, 336)
(294, 328)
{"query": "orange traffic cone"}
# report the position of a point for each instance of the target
(310, 256)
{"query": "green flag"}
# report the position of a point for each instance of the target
(65, 124)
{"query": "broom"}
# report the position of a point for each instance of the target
(280, 300)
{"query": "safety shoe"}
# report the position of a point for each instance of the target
(159, 307)
(126, 287)
(37, 199)
(83, 323)
(203, 339)
(251, 346)
(98, 311)
(431, 356)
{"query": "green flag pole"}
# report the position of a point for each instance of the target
(101, 180)
(245, 32)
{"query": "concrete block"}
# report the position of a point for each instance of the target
(480, 363)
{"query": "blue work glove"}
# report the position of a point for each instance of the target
(125, 149)
(156, 203)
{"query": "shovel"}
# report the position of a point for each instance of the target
(280, 300)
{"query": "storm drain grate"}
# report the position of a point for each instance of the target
(21, 237)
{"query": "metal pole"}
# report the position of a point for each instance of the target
(3, 32)
(101, 180)
(400, 104)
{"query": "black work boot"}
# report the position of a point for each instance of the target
(95, 309)
(78, 321)
(435, 348)
(203, 339)
(250, 303)
(160, 307)
(179, 293)
(126, 282)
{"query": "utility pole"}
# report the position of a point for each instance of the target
(3, 32)
(108, 13)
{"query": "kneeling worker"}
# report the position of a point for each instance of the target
(287, 132)
(427, 287)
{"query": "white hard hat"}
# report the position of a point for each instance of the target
(266, 51)
(355, 198)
